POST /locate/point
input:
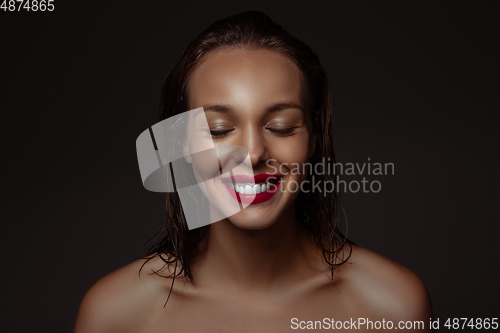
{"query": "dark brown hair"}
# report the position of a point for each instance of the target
(321, 213)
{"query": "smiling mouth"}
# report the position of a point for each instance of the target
(254, 188)
(257, 187)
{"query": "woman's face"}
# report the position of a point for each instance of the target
(253, 99)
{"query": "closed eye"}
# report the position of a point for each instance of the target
(283, 131)
(220, 133)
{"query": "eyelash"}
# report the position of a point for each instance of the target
(219, 133)
(284, 131)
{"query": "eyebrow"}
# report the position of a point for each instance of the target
(226, 108)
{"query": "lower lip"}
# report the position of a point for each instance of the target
(253, 199)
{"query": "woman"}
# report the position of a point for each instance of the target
(279, 264)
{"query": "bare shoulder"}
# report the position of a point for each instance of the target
(386, 289)
(119, 301)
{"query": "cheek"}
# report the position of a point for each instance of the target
(200, 144)
(294, 149)
(205, 163)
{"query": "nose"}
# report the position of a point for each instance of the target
(253, 140)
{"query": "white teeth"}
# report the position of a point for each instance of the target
(248, 189)
(252, 188)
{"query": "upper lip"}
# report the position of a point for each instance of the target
(259, 178)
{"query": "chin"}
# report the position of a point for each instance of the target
(248, 221)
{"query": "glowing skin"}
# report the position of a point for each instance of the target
(253, 99)
(259, 268)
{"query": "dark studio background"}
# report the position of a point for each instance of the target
(413, 83)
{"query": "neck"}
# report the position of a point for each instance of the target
(257, 259)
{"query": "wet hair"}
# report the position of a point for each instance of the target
(320, 213)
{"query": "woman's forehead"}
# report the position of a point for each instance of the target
(245, 78)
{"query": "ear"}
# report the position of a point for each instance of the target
(314, 137)
(312, 145)
(187, 154)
